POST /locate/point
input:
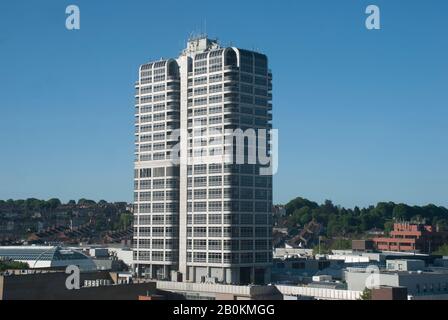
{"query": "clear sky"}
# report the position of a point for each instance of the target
(362, 115)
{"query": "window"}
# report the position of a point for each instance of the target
(145, 208)
(261, 219)
(215, 181)
(214, 257)
(261, 232)
(247, 99)
(246, 258)
(262, 245)
(247, 194)
(214, 245)
(215, 232)
(144, 220)
(200, 182)
(158, 207)
(215, 99)
(159, 184)
(157, 256)
(200, 257)
(247, 181)
(200, 244)
(216, 88)
(200, 91)
(157, 232)
(246, 206)
(158, 172)
(200, 169)
(215, 206)
(200, 112)
(145, 196)
(246, 78)
(200, 206)
(215, 194)
(200, 219)
(247, 219)
(144, 243)
(260, 207)
(200, 80)
(200, 194)
(215, 109)
(200, 232)
(247, 245)
(246, 232)
(215, 219)
(215, 78)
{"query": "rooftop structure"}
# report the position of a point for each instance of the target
(47, 257)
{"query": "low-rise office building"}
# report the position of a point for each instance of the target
(48, 257)
(419, 284)
(412, 237)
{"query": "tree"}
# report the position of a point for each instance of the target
(53, 204)
(402, 212)
(125, 221)
(102, 203)
(341, 244)
(298, 203)
(322, 249)
(366, 294)
(388, 226)
(442, 251)
(86, 202)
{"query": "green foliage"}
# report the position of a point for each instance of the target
(339, 221)
(326, 246)
(388, 226)
(12, 265)
(366, 294)
(86, 202)
(54, 203)
(341, 244)
(31, 204)
(323, 248)
(125, 221)
(442, 251)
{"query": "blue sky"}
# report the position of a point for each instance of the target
(362, 115)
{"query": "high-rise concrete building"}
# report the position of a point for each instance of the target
(202, 217)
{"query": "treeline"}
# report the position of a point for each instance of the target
(51, 204)
(340, 221)
(105, 216)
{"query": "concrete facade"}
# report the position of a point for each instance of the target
(202, 218)
(417, 283)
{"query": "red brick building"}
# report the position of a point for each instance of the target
(412, 237)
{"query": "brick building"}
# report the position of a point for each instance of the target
(412, 237)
